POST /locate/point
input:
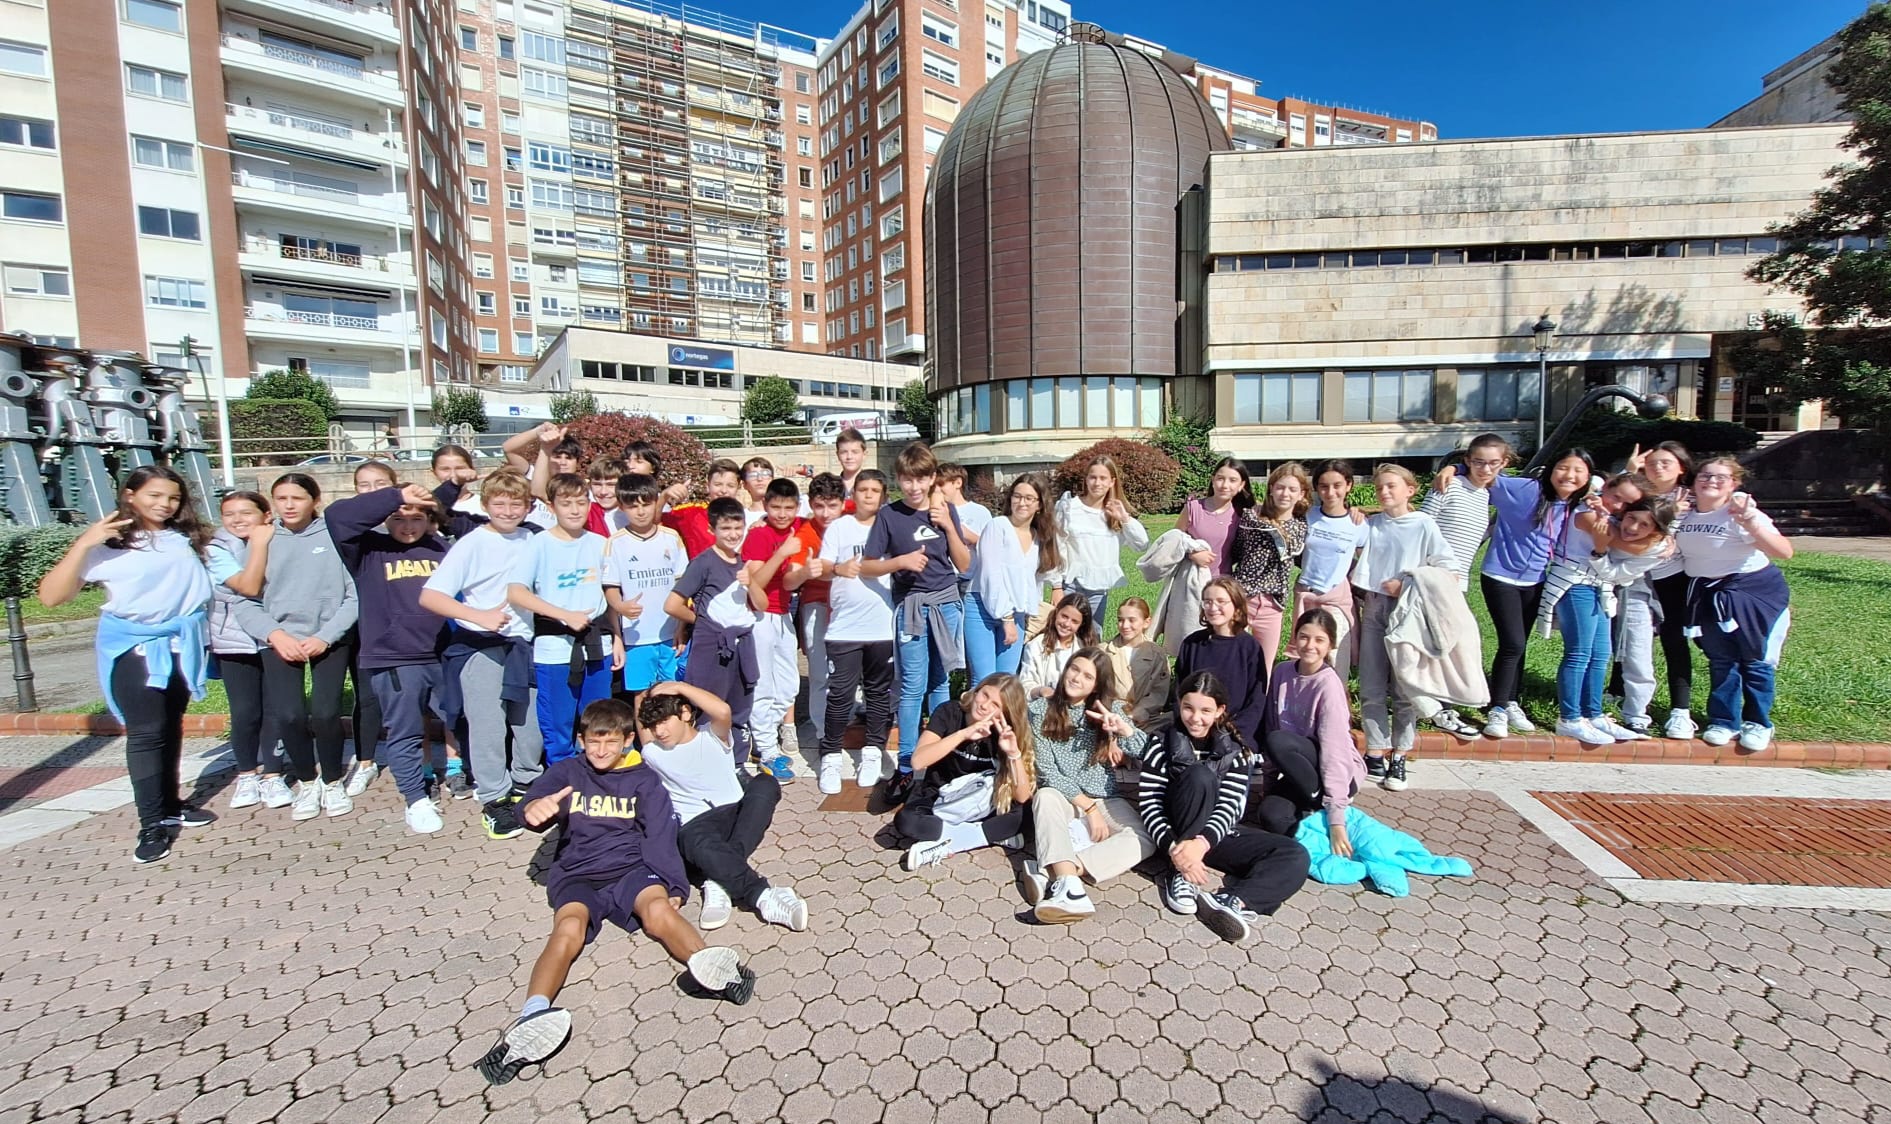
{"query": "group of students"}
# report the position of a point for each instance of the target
(611, 658)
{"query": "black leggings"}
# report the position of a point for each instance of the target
(367, 716)
(243, 683)
(919, 825)
(857, 663)
(1294, 790)
(154, 735)
(308, 724)
(1261, 868)
(1676, 652)
(1512, 612)
(716, 845)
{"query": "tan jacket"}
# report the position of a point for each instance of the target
(1142, 678)
(1433, 644)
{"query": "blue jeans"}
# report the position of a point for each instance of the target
(1099, 601)
(985, 649)
(923, 679)
(1741, 690)
(559, 706)
(1585, 667)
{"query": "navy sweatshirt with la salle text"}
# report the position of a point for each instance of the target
(389, 575)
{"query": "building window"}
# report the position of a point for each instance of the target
(942, 107)
(25, 132)
(162, 222)
(469, 39)
(143, 80)
(169, 155)
(890, 70)
(523, 343)
(1388, 396)
(478, 191)
(482, 265)
(38, 281)
(1497, 393)
(31, 206)
(175, 292)
(939, 31)
(476, 153)
(156, 14)
(1277, 398)
(939, 67)
(489, 340)
(22, 58)
(542, 83)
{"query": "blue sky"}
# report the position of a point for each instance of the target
(1474, 67)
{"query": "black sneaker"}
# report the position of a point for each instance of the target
(153, 844)
(502, 820)
(1375, 768)
(899, 786)
(1395, 775)
(187, 815)
(528, 1041)
(717, 973)
(1225, 915)
(459, 785)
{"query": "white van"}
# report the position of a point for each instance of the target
(825, 430)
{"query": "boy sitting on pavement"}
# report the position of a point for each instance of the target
(617, 862)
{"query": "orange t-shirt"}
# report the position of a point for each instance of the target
(813, 592)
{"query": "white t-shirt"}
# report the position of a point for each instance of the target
(159, 580)
(1712, 545)
(1399, 546)
(860, 610)
(973, 517)
(1332, 540)
(476, 572)
(698, 774)
(646, 568)
(567, 573)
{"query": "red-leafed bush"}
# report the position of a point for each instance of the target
(685, 459)
(1149, 474)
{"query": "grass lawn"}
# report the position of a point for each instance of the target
(83, 607)
(1828, 691)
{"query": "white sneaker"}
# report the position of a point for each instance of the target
(869, 772)
(1497, 724)
(1680, 726)
(1617, 730)
(830, 773)
(1755, 738)
(275, 792)
(336, 801)
(308, 800)
(1065, 903)
(716, 907)
(1036, 883)
(423, 817)
(362, 777)
(790, 740)
(1718, 735)
(1453, 723)
(930, 853)
(1582, 731)
(249, 791)
(779, 905)
(1519, 721)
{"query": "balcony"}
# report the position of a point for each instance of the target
(272, 323)
(299, 196)
(323, 263)
(1249, 123)
(294, 128)
(275, 62)
(369, 22)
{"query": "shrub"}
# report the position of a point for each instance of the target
(280, 384)
(568, 408)
(1149, 474)
(460, 405)
(917, 408)
(685, 459)
(272, 430)
(1611, 435)
(26, 553)
(1186, 439)
(770, 401)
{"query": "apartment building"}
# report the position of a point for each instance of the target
(1256, 121)
(281, 172)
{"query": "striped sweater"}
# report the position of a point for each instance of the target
(1168, 757)
(1462, 513)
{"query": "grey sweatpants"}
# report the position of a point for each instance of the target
(493, 725)
(1635, 647)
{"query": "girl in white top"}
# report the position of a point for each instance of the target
(1668, 467)
(1335, 535)
(1095, 527)
(149, 555)
(1738, 604)
(1398, 541)
(1069, 628)
(1006, 584)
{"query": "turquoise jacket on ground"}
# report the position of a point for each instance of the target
(1380, 855)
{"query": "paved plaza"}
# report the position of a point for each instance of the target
(344, 970)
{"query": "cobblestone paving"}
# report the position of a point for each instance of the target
(343, 970)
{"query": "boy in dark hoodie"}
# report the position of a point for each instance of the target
(401, 643)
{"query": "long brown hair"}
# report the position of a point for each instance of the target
(1266, 505)
(1086, 634)
(1057, 724)
(1011, 701)
(186, 522)
(1116, 490)
(1043, 524)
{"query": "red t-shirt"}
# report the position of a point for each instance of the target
(813, 591)
(760, 545)
(691, 522)
(597, 521)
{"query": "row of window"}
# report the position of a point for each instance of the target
(717, 380)
(1487, 394)
(1017, 405)
(1542, 251)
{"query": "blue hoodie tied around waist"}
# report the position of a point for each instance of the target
(116, 636)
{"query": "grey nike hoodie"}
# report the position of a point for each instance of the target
(306, 588)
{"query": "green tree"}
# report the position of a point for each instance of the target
(568, 408)
(1186, 439)
(279, 384)
(460, 405)
(917, 407)
(1835, 254)
(771, 401)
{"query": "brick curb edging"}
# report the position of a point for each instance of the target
(1532, 747)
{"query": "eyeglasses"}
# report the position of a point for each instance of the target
(1487, 464)
(1726, 476)
(758, 474)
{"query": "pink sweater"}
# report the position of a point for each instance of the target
(1314, 706)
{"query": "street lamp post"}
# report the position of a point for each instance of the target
(1545, 329)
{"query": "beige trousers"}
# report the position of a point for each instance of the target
(1128, 844)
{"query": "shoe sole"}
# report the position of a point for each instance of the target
(916, 857)
(152, 859)
(299, 815)
(337, 813)
(233, 805)
(529, 1042)
(1057, 915)
(412, 830)
(1223, 922)
(514, 834)
(1175, 907)
(714, 969)
(1391, 785)
(1033, 892)
(798, 917)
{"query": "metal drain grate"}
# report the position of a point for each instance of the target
(1753, 840)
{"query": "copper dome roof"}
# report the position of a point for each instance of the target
(1051, 217)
